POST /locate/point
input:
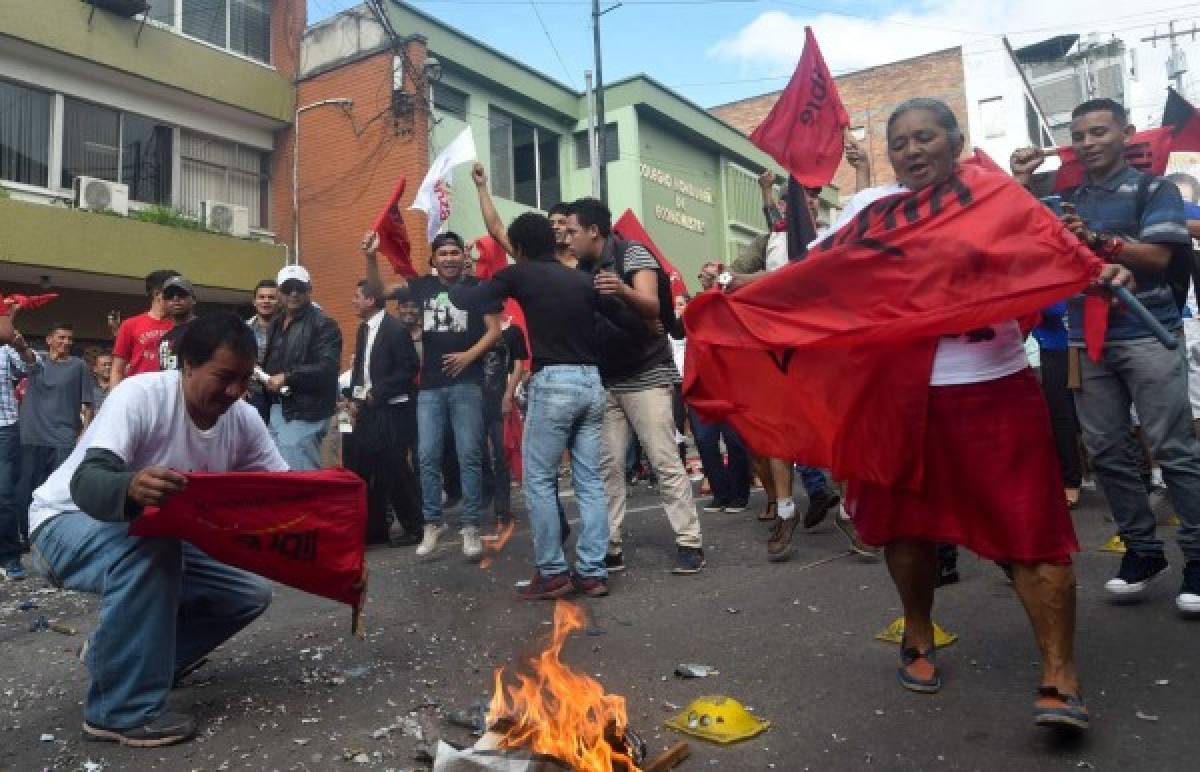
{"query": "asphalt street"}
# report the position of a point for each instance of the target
(793, 641)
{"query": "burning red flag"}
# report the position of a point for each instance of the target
(1146, 151)
(304, 529)
(630, 228)
(1184, 122)
(804, 130)
(393, 236)
(827, 361)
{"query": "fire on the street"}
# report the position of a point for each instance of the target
(554, 710)
(496, 543)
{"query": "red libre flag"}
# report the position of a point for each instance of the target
(1184, 122)
(805, 129)
(303, 529)
(1146, 151)
(393, 236)
(827, 361)
(491, 258)
(629, 227)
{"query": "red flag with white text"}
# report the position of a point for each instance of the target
(827, 361)
(805, 129)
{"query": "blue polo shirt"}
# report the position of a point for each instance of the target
(1111, 206)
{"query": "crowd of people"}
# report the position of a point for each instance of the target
(424, 415)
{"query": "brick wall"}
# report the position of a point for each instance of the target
(869, 96)
(348, 169)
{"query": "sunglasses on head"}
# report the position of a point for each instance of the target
(175, 293)
(293, 287)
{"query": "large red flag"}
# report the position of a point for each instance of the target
(491, 258)
(304, 529)
(1147, 151)
(630, 228)
(827, 361)
(1184, 122)
(393, 236)
(804, 130)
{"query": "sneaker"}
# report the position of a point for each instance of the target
(779, 546)
(737, 506)
(1188, 601)
(591, 586)
(545, 587)
(614, 562)
(857, 545)
(167, 729)
(689, 560)
(1136, 572)
(429, 541)
(715, 505)
(14, 571)
(472, 544)
(819, 506)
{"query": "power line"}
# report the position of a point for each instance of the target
(550, 39)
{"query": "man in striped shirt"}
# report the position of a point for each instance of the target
(639, 376)
(15, 360)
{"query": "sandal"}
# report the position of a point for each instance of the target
(909, 656)
(769, 514)
(1056, 709)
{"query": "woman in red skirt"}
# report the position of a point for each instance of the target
(992, 482)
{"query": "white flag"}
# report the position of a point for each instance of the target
(433, 197)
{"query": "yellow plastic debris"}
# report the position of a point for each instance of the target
(1113, 545)
(894, 633)
(1173, 520)
(719, 719)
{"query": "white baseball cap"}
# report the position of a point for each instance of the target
(293, 272)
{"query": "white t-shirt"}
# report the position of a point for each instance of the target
(145, 422)
(678, 351)
(981, 355)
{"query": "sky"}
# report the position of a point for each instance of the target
(717, 51)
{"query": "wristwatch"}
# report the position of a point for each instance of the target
(724, 279)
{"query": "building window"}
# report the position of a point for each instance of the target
(524, 161)
(612, 148)
(241, 26)
(743, 197)
(450, 101)
(24, 134)
(217, 170)
(991, 116)
(119, 147)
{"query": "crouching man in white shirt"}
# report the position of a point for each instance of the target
(164, 603)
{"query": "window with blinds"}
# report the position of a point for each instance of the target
(583, 154)
(121, 147)
(24, 134)
(213, 169)
(743, 199)
(241, 26)
(525, 165)
(450, 101)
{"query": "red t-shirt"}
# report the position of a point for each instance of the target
(137, 343)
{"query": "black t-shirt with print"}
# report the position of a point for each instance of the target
(446, 329)
(168, 359)
(498, 363)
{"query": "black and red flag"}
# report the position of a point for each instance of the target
(1184, 122)
(393, 236)
(1147, 151)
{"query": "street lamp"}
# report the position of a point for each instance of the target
(345, 104)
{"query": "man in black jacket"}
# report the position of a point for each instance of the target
(382, 397)
(303, 350)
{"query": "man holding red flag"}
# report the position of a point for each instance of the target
(1137, 220)
(165, 604)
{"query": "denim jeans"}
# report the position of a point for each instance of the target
(566, 412)
(163, 605)
(1155, 380)
(10, 513)
(38, 462)
(462, 404)
(730, 483)
(813, 480)
(299, 442)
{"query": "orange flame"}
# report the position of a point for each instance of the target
(497, 542)
(559, 712)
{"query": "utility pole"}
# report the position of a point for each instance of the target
(601, 118)
(593, 154)
(1176, 62)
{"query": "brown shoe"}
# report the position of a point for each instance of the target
(769, 514)
(779, 546)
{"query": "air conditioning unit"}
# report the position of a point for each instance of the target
(226, 218)
(98, 195)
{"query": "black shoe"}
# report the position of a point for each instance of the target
(167, 729)
(689, 560)
(715, 505)
(819, 506)
(405, 538)
(614, 562)
(1188, 600)
(183, 673)
(1136, 572)
(737, 505)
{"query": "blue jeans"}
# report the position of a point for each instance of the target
(1154, 379)
(163, 605)
(299, 442)
(462, 403)
(566, 412)
(10, 513)
(730, 483)
(813, 480)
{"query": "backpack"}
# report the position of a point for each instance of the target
(632, 346)
(666, 301)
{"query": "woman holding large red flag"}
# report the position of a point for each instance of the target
(991, 480)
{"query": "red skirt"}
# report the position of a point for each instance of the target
(992, 479)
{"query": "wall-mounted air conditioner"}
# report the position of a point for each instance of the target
(98, 195)
(226, 218)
